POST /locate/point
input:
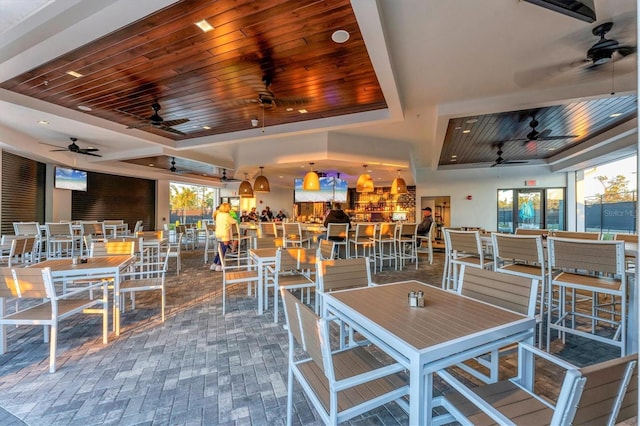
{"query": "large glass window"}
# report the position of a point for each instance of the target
(531, 208)
(610, 197)
(191, 203)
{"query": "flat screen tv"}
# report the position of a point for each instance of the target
(331, 189)
(71, 179)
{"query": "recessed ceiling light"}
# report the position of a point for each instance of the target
(472, 120)
(457, 128)
(551, 149)
(151, 164)
(289, 109)
(43, 122)
(84, 108)
(74, 74)
(466, 131)
(340, 36)
(204, 26)
(281, 177)
(453, 160)
(615, 114)
(206, 127)
(454, 156)
(303, 111)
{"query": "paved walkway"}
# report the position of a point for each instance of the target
(198, 368)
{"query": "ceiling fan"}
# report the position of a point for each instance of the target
(224, 177)
(173, 168)
(501, 161)
(534, 135)
(157, 122)
(73, 147)
(599, 54)
(267, 99)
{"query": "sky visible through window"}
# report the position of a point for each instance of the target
(626, 167)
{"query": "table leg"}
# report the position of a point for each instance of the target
(116, 303)
(418, 401)
(260, 288)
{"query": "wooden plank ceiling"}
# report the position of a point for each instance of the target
(216, 79)
(476, 139)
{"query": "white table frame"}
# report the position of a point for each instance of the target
(95, 268)
(424, 359)
(262, 258)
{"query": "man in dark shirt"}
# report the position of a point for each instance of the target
(336, 215)
(427, 220)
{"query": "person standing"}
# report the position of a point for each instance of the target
(427, 220)
(224, 229)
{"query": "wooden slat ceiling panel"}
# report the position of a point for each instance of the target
(215, 79)
(584, 119)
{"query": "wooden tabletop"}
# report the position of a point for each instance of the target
(446, 316)
(101, 262)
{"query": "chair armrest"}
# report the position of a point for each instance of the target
(378, 373)
(547, 356)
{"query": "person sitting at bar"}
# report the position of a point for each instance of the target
(253, 215)
(280, 216)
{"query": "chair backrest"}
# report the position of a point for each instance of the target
(605, 387)
(291, 230)
(93, 228)
(268, 229)
(326, 249)
(137, 243)
(114, 221)
(28, 283)
(408, 230)
(27, 228)
(528, 231)
(465, 242)
(365, 230)
(268, 242)
(308, 330)
(508, 291)
(152, 234)
(293, 259)
(59, 229)
(138, 227)
(343, 273)
(605, 256)
(628, 238)
(577, 235)
(518, 248)
(387, 230)
(337, 231)
(111, 248)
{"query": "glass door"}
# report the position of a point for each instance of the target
(528, 208)
(541, 208)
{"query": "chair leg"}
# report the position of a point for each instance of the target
(52, 346)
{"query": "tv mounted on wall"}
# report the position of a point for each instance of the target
(73, 179)
(331, 189)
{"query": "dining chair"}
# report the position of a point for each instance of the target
(294, 270)
(210, 242)
(363, 238)
(339, 384)
(39, 304)
(593, 268)
(425, 242)
(111, 248)
(268, 229)
(240, 245)
(522, 255)
(465, 249)
(385, 244)
(630, 261)
(8, 255)
(236, 274)
(599, 394)
(407, 244)
(293, 237)
(32, 229)
(152, 278)
(326, 250)
(513, 292)
(174, 251)
(60, 240)
(94, 230)
(339, 234)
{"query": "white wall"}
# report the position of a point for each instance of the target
(163, 192)
(482, 185)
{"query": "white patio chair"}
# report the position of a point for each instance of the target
(236, 274)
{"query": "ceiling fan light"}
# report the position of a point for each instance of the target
(399, 186)
(261, 183)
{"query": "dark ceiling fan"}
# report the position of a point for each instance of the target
(267, 99)
(173, 168)
(224, 177)
(534, 135)
(501, 161)
(73, 147)
(157, 122)
(605, 50)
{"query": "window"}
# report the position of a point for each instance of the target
(191, 203)
(540, 208)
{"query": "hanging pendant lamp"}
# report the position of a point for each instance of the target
(399, 186)
(311, 180)
(364, 183)
(261, 183)
(245, 189)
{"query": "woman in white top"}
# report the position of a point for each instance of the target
(224, 226)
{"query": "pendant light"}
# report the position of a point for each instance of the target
(399, 186)
(245, 189)
(261, 183)
(311, 180)
(365, 183)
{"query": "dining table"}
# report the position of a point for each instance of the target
(262, 258)
(449, 329)
(95, 268)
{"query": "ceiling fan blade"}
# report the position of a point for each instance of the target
(171, 130)
(177, 122)
(139, 126)
(514, 162)
(554, 138)
(292, 102)
(82, 151)
(59, 150)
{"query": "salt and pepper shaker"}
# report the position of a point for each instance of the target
(416, 299)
